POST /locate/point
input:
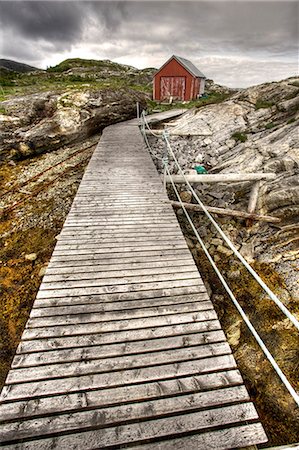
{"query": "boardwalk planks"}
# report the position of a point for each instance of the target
(123, 346)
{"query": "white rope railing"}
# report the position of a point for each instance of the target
(259, 340)
(271, 294)
(142, 128)
(235, 301)
(148, 127)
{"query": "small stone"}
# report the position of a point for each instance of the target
(217, 195)
(199, 158)
(234, 274)
(247, 251)
(186, 196)
(230, 143)
(42, 271)
(207, 141)
(225, 251)
(31, 257)
(189, 243)
(190, 172)
(234, 333)
(216, 241)
(24, 149)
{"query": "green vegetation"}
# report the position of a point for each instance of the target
(75, 74)
(75, 63)
(292, 120)
(2, 110)
(214, 97)
(293, 94)
(270, 125)
(239, 137)
(260, 103)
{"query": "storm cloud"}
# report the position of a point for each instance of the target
(237, 43)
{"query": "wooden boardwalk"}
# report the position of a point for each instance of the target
(123, 347)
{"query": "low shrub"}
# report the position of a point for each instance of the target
(239, 137)
(260, 103)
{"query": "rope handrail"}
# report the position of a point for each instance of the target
(147, 125)
(143, 124)
(271, 294)
(235, 301)
(259, 340)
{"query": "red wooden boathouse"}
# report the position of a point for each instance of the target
(178, 79)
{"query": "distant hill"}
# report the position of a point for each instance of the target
(101, 70)
(16, 66)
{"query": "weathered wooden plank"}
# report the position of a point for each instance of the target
(86, 307)
(126, 348)
(121, 249)
(158, 294)
(118, 209)
(120, 212)
(115, 363)
(103, 315)
(97, 238)
(235, 437)
(102, 418)
(111, 281)
(122, 227)
(112, 213)
(123, 269)
(89, 340)
(64, 246)
(117, 378)
(144, 258)
(120, 231)
(118, 288)
(156, 428)
(118, 325)
(115, 223)
(117, 243)
(118, 395)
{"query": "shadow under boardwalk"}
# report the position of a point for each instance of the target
(123, 347)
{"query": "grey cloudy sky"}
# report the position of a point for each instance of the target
(237, 43)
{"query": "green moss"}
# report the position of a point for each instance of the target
(3, 110)
(239, 137)
(292, 120)
(215, 97)
(260, 103)
(270, 125)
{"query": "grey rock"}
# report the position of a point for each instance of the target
(43, 122)
(31, 257)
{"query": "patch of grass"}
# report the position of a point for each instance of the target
(293, 94)
(270, 125)
(114, 76)
(3, 110)
(215, 97)
(239, 137)
(292, 120)
(260, 103)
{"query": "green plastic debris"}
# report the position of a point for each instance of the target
(200, 169)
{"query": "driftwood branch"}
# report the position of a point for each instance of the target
(227, 212)
(221, 177)
(253, 197)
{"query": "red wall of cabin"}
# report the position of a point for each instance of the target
(174, 69)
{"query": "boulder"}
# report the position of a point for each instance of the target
(46, 121)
